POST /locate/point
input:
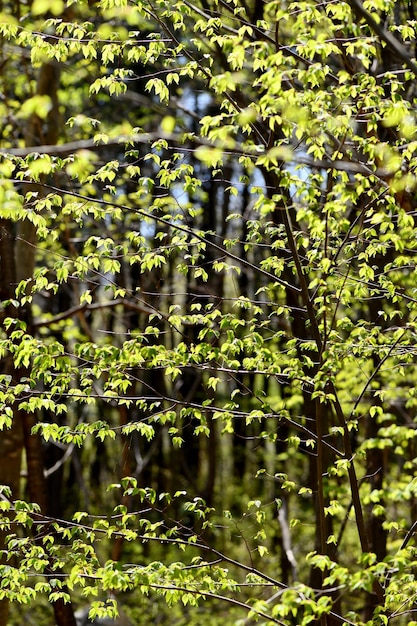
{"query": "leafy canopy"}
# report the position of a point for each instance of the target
(212, 314)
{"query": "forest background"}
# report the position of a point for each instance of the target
(208, 378)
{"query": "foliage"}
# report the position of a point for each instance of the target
(208, 379)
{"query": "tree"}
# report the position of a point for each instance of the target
(209, 310)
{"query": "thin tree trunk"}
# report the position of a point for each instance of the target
(25, 250)
(11, 439)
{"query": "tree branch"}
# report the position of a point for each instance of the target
(393, 43)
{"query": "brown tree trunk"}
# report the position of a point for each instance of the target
(11, 439)
(17, 251)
